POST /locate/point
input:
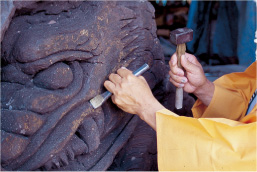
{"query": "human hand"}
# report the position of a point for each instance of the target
(133, 95)
(192, 79)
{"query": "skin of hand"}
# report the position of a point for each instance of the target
(192, 79)
(133, 95)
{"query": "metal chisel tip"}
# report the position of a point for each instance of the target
(97, 101)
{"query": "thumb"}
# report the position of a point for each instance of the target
(189, 63)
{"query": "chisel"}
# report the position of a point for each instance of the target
(98, 100)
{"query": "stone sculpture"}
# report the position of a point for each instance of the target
(55, 57)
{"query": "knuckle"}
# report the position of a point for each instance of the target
(114, 99)
(111, 76)
(119, 70)
(118, 92)
(177, 79)
(174, 77)
(175, 71)
(172, 67)
(107, 83)
(129, 77)
(116, 77)
(122, 85)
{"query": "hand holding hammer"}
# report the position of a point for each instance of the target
(179, 37)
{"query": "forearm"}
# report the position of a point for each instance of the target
(205, 92)
(148, 112)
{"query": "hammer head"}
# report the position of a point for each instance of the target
(181, 35)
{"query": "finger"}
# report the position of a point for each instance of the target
(109, 86)
(116, 101)
(192, 59)
(123, 72)
(115, 78)
(176, 84)
(113, 99)
(173, 60)
(177, 78)
(177, 71)
(189, 63)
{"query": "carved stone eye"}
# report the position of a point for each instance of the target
(55, 77)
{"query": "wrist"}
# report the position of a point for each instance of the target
(148, 112)
(201, 89)
(205, 92)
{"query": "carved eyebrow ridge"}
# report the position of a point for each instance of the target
(67, 55)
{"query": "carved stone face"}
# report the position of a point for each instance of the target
(55, 58)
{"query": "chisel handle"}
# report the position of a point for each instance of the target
(141, 70)
(181, 49)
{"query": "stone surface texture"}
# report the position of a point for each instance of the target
(55, 57)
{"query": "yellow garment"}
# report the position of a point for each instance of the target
(212, 142)
(231, 96)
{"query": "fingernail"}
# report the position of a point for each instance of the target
(183, 80)
(123, 67)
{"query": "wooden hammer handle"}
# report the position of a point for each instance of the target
(181, 49)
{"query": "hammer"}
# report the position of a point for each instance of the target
(179, 37)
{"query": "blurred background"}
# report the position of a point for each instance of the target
(224, 32)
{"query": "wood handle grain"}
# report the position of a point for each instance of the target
(181, 49)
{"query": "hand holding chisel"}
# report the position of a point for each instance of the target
(100, 99)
